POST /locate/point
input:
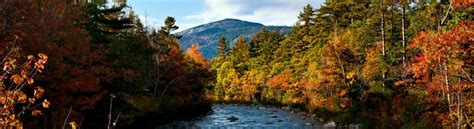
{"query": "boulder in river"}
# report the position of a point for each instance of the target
(232, 118)
(321, 120)
(330, 125)
(355, 126)
(287, 108)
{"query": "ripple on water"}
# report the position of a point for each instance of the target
(225, 116)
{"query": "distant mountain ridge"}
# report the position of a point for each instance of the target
(207, 35)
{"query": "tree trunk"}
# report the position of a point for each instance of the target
(446, 81)
(382, 26)
(158, 75)
(403, 35)
(460, 118)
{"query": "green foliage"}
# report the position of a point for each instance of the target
(169, 26)
(344, 61)
(225, 75)
(240, 54)
(223, 46)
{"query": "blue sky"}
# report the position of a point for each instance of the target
(190, 13)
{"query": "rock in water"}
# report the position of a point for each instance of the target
(355, 126)
(330, 125)
(232, 118)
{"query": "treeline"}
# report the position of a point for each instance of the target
(104, 68)
(386, 64)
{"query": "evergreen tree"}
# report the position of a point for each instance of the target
(240, 54)
(302, 29)
(306, 16)
(169, 26)
(263, 44)
(222, 46)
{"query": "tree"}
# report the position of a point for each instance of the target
(195, 55)
(302, 29)
(279, 83)
(306, 17)
(222, 47)
(78, 66)
(163, 42)
(404, 4)
(18, 95)
(382, 26)
(443, 60)
(374, 70)
(240, 54)
(263, 44)
(225, 75)
(169, 26)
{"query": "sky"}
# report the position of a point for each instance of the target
(190, 13)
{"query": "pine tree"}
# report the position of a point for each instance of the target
(240, 54)
(263, 44)
(169, 26)
(222, 47)
(306, 16)
(302, 29)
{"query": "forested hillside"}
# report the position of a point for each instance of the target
(389, 64)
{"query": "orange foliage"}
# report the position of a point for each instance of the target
(76, 66)
(443, 67)
(15, 80)
(462, 3)
(439, 48)
(194, 53)
(281, 80)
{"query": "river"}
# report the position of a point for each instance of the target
(240, 116)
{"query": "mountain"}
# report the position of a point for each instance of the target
(207, 35)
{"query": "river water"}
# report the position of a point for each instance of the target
(239, 116)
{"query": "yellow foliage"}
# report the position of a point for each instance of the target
(73, 125)
(16, 79)
(46, 103)
(11, 98)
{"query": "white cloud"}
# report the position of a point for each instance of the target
(150, 22)
(184, 26)
(268, 12)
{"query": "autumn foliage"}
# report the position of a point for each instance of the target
(384, 64)
(195, 55)
(444, 67)
(95, 50)
(19, 95)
